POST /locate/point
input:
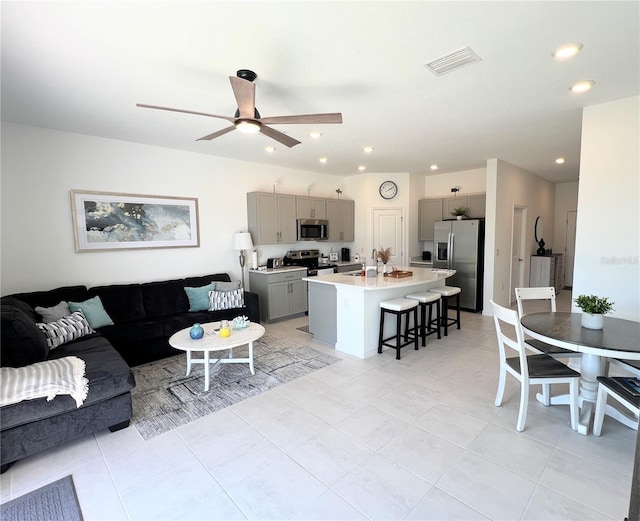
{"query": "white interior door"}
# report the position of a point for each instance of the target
(517, 252)
(388, 231)
(570, 248)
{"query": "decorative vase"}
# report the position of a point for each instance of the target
(592, 321)
(196, 332)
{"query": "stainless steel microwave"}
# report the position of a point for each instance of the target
(312, 230)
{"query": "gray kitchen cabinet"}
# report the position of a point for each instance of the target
(475, 203)
(341, 215)
(271, 218)
(429, 211)
(311, 207)
(281, 293)
(546, 271)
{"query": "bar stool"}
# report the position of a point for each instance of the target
(399, 307)
(427, 298)
(446, 292)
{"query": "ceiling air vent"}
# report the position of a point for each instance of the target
(452, 61)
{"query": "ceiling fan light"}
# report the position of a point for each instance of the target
(247, 126)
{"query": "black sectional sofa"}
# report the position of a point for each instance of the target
(144, 317)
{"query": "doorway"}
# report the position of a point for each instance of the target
(570, 248)
(388, 231)
(518, 255)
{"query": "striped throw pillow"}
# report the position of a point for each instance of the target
(226, 299)
(66, 329)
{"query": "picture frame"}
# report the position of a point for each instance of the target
(104, 221)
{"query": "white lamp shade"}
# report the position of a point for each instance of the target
(242, 241)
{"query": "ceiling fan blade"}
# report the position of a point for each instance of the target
(144, 106)
(334, 117)
(245, 93)
(279, 136)
(217, 134)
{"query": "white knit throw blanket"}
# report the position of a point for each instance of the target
(44, 380)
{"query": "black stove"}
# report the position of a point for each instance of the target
(310, 259)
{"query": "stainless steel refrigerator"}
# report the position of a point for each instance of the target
(459, 245)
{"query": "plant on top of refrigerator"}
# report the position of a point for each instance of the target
(461, 210)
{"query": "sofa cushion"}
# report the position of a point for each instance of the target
(108, 376)
(53, 313)
(22, 306)
(226, 299)
(199, 297)
(54, 296)
(123, 302)
(228, 286)
(203, 280)
(132, 333)
(66, 329)
(94, 311)
(163, 299)
(22, 342)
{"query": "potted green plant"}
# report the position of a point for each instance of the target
(460, 212)
(593, 309)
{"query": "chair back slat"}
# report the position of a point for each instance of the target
(543, 293)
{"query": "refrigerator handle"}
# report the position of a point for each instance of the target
(451, 241)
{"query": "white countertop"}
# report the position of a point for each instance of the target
(419, 276)
(269, 271)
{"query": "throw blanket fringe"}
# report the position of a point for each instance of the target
(44, 380)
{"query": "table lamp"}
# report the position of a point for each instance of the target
(242, 241)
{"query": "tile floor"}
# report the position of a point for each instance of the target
(417, 438)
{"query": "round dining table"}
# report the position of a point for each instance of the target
(618, 338)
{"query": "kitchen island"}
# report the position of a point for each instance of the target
(344, 308)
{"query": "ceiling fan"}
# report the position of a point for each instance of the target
(247, 119)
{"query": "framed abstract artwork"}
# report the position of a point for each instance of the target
(114, 221)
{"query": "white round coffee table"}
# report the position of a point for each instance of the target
(211, 341)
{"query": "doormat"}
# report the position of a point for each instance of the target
(56, 501)
(164, 398)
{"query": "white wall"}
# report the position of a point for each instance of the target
(512, 187)
(469, 182)
(608, 227)
(40, 167)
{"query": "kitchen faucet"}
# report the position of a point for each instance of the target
(374, 255)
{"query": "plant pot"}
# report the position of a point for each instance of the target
(459, 217)
(592, 321)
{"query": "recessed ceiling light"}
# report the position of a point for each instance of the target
(368, 149)
(270, 149)
(362, 168)
(560, 160)
(323, 159)
(434, 167)
(567, 51)
(582, 86)
(315, 134)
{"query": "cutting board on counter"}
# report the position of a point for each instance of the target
(399, 274)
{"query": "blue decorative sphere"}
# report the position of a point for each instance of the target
(196, 332)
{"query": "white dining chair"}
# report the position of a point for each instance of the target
(539, 369)
(538, 346)
(630, 366)
(611, 387)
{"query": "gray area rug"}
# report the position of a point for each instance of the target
(164, 398)
(56, 501)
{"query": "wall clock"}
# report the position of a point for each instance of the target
(388, 190)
